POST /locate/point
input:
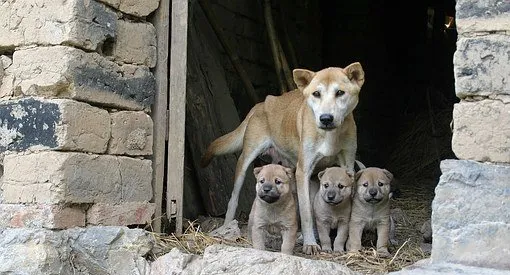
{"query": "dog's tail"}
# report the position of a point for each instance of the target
(226, 144)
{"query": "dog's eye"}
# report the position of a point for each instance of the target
(365, 184)
(380, 183)
(261, 180)
(326, 185)
(340, 186)
(277, 181)
(317, 94)
(340, 93)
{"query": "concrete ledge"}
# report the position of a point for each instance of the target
(41, 216)
(129, 213)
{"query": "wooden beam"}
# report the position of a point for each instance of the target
(177, 110)
(159, 114)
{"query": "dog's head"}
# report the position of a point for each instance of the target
(335, 185)
(331, 93)
(373, 185)
(273, 182)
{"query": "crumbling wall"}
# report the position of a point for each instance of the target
(470, 218)
(76, 89)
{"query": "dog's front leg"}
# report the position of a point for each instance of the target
(383, 228)
(323, 230)
(303, 173)
(355, 234)
(347, 156)
(341, 236)
(288, 240)
(257, 237)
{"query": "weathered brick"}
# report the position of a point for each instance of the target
(41, 216)
(59, 124)
(82, 23)
(128, 213)
(134, 7)
(481, 66)
(131, 133)
(471, 214)
(66, 177)
(482, 130)
(62, 71)
(482, 16)
(135, 43)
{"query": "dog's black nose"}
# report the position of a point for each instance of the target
(266, 187)
(372, 192)
(326, 119)
(331, 195)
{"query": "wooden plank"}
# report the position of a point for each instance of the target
(177, 110)
(159, 110)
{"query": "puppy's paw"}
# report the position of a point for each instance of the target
(326, 249)
(339, 250)
(311, 249)
(393, 242)
(383, 253)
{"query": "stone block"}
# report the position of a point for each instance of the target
(134, 7)
(40, 216)
(135, 43)
(67, 72)
(129, 213)
(482, 16)
(92, 250)
(131, 133)
(85, 24)
(482, 130)
(58, 124)
(481, 66)
(471, 214)
(67, 177)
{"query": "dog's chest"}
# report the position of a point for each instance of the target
(330, 146)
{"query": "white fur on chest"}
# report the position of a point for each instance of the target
(330, 145)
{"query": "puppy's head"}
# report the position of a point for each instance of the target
(331, 93)
(335, 185)
(373, 185)
(273, 182)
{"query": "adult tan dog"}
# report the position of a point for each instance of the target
(274, 209)
(312, 126)
(332, 207)
(371, 209)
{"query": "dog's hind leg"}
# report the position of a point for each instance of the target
(250, 152)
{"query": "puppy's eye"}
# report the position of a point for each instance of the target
(365, 184)
(340, 186)
(317, 94)
(261, 180)
(326, 185)
(380, 183)
(277, 181)
(339, 93)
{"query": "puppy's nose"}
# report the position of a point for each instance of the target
(331, 195)
(326, 119)
(372, 192)
(266, 187)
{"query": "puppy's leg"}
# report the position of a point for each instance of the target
(355, 233)
(341, 236)
(257, 237)
(289, 240)
(303, 172)
(383, 229)
(245, 159)
(323, 230)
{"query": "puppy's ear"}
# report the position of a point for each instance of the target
(256, 171)
(290, 172)
(358, 174)
(388, 174)
(321, 173)
(355, 73)
(302, 77)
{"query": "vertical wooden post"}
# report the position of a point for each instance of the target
(177, 110)
(159, 109)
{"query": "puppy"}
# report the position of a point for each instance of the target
(274, 208)
(332, 207)
(371, 208)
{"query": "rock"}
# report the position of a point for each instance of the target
(427, 267)
(177, 262)
(230, 231)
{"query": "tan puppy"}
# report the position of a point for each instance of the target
(332, 207)
(371, 208)
(313, 127)
(274, 209)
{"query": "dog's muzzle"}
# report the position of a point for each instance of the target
(268, 193)
(326, 121)
(269, 198)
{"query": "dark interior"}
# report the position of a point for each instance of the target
(406, 103)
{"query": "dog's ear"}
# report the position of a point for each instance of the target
(302, 77)
(290, 172)
(256, 171)
(388, 174)
(321, 173)
(358, 174)
(355, 73)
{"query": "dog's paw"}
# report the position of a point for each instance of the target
(326, 249)
(311, 249)
(339, 250)
(383, 253)
(393, 242)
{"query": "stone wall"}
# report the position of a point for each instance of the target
(76, 89)
(470, 219)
